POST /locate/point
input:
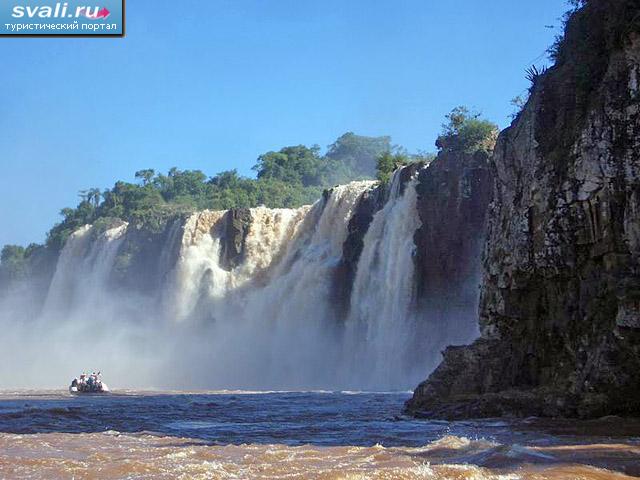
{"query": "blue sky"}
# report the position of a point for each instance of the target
(211, 85)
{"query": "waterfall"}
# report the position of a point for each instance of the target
(381, 318)
(88, 256)
(267, 321)
(84, 323)
(199, 277)
(270, 321)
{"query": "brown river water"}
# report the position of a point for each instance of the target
(293, 435)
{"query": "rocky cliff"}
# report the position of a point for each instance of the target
(453, 195)
(560, 301)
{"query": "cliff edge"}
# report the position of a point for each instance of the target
(560, 299)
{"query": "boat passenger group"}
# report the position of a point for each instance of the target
(87, 384)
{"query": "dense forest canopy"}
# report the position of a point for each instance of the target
(291, 177)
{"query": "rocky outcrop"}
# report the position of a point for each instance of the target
(369, 204)
(454, 192)
(236, 228)
(560, 302)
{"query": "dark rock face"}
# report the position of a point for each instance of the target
(236, 227)
(369, 204)
(560, 309)
(454, 192)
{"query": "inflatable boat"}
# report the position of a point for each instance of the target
(88, 385)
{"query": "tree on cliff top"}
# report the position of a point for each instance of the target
(359, 153)
(296, 165)
(387, 163)
(466, 132)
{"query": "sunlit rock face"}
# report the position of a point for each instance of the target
(328, 296)
(559, 309)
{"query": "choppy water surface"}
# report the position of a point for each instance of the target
(320, 435)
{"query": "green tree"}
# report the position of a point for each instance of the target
(145, 175)
(387, 163)
(359, 153)
(91, 196)
(297, 164)
(181, 183)
(12, 262)
(227, 179)
(466, 132)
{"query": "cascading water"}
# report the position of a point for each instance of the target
(382, 316)
(278, 331)
(84, 322)
(89, 256)
(269, 321)
(199, 277)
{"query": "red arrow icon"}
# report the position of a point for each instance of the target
(104, 13)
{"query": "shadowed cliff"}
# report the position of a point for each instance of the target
(560, 302)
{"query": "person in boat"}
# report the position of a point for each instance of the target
(91, 382)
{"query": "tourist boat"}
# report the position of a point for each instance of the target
(88, 385)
